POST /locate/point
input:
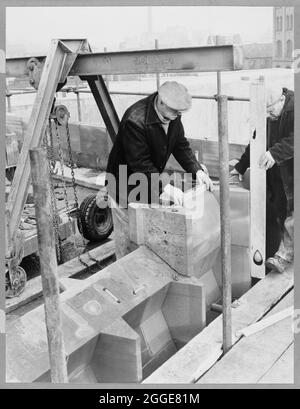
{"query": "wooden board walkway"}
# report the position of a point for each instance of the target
(255, 358)
(205, 349)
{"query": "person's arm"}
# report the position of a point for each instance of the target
(284, 150)
(244, 162)
(184, 154)
(187, 159)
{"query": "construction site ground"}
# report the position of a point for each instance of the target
(71, 248)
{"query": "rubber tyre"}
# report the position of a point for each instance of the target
(96, 223)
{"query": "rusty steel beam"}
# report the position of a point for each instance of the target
(191, 59)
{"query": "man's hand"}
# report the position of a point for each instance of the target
(235, 177)
(203, 178)
(172, 193)
(266, 161)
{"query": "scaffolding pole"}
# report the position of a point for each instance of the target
(225, 220)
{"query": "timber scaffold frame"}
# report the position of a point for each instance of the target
(74, 58)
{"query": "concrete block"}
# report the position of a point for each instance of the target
(240, 270)
(239, 215)
(187, 240)
(117, 356)
(184, 311)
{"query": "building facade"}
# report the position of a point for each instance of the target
(283, 37)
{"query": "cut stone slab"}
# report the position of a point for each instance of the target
(189, 241)
(134, 288)
(33, 287)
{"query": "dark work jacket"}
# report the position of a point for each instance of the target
(280, 143)
(143, 145)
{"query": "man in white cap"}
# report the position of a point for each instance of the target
(150, 131)
(278, 161)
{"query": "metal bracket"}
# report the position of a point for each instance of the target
(35, 71)
(60, 114)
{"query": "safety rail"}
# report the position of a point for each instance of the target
(82, 90)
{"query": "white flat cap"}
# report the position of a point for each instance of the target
(175, 96)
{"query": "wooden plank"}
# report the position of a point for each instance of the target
(253, 356)
(267, 322)
(282, 371)
(33, 287)
(257, 181)
(202, 352)
(85, 177)
(48, 264)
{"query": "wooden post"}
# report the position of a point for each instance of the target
(47, 253)
(257, 180)
(157, 75)
(225, 220)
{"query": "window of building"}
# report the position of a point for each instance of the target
(292, 22)
(279, 49)
(289, 49)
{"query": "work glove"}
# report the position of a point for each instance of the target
(203, 178)
(172, 193)
(266, 161)
(235, 177)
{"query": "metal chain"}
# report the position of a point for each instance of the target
(74, 184)
(55, 217)
(62, 178)
(72, 166)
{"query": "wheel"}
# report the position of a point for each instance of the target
(20, 280)
(95, 224)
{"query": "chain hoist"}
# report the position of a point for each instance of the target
(48, 145)
(61, 116)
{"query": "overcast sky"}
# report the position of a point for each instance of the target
(34, 27)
